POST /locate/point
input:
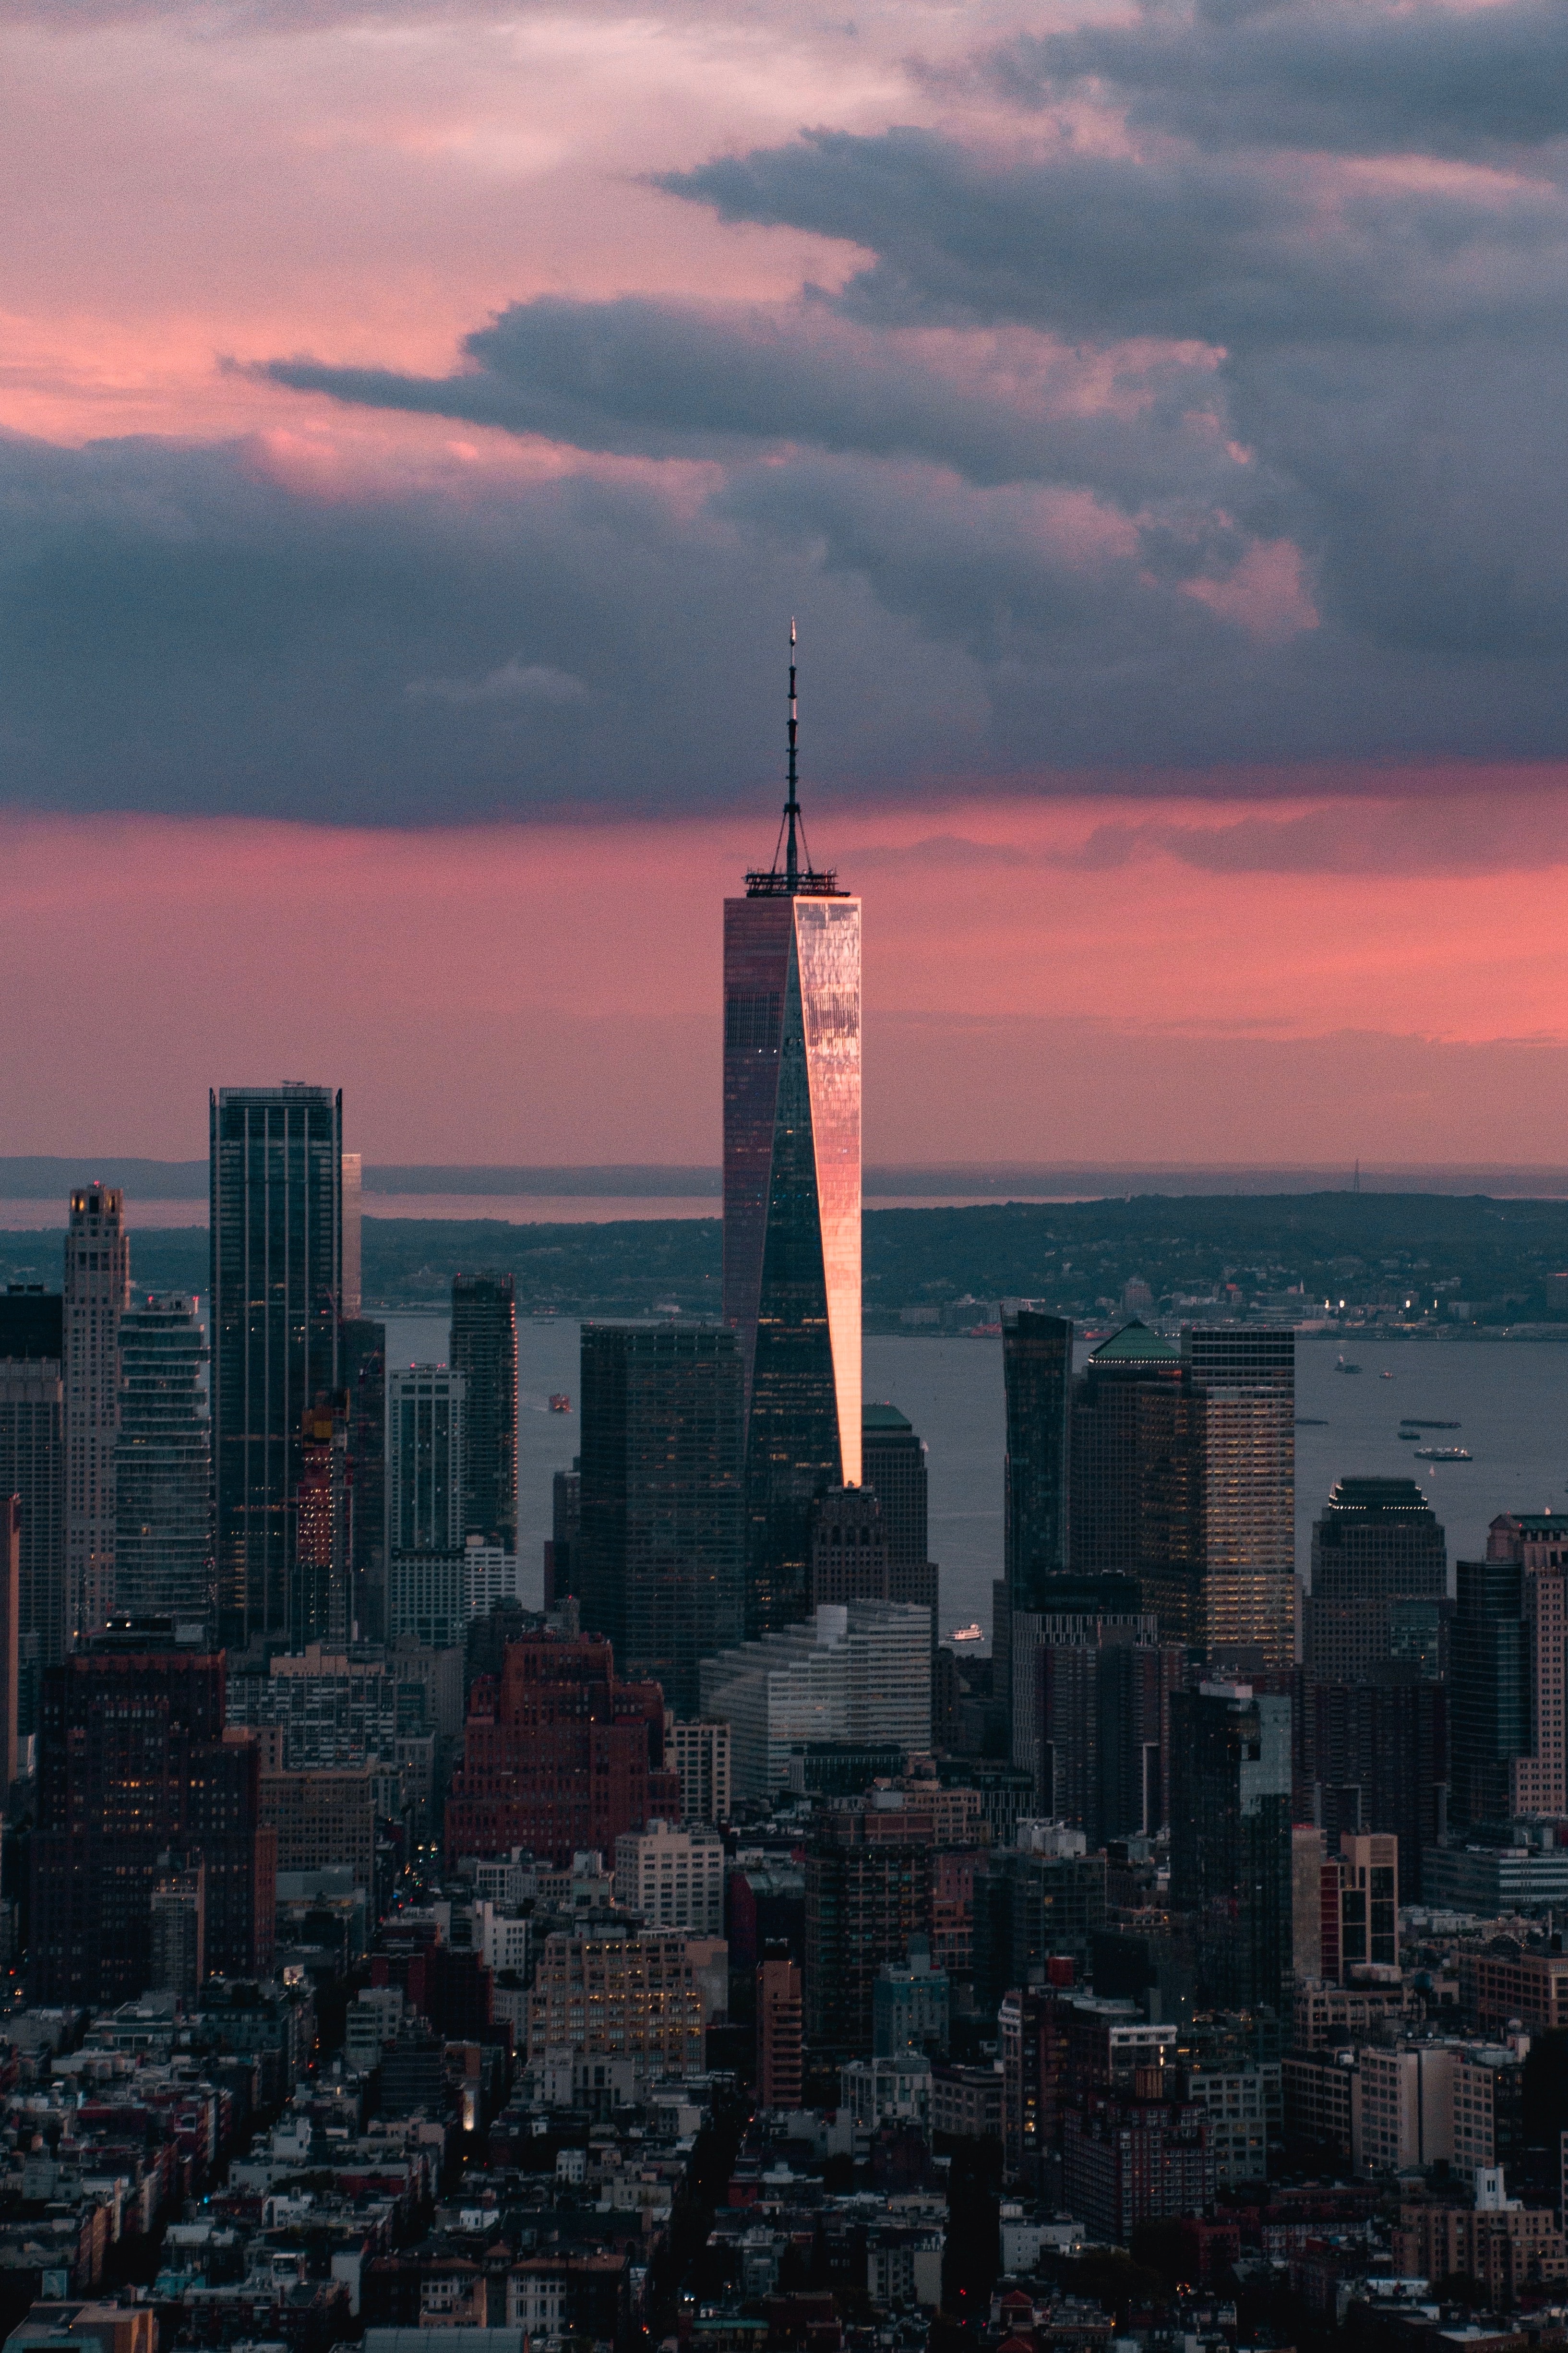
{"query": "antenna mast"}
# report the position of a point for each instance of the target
(792, 806)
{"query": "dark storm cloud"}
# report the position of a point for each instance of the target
(644, 378)
(1246, 253)
(1352, 79)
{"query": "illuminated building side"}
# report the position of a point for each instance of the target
(791, 1202)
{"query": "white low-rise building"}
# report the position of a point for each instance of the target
(857, 1670)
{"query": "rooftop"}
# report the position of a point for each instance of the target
(1136, 1345)
(883, 1417)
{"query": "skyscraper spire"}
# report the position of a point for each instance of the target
(792, 806)
(791, 874)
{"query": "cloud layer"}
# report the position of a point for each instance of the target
(1169, 393)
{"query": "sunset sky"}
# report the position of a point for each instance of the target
(420, 419)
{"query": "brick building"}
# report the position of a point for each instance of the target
(560, 1756)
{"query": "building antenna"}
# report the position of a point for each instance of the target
(792, 806)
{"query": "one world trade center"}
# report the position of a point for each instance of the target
(792, 1198)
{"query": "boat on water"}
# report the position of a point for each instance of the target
(1411, 1434)
(1411, 1423)
(1386, 1376)
(970, 1633)
(1344, 1366)
(559, 1401)
(1443, 1454)
(1310, 1422)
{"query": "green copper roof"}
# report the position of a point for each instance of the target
(883, 1417)
(1136, 1345)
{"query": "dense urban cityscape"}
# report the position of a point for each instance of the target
(727, 1952)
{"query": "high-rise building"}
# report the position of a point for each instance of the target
(562, 1564)
(1351, 1900)
(320, 1583)
(97, 1290)
(137, 1776)
(33, 1469)
(1510, 1739)
(1137, 1475)
(779, 2033)
(1377, 1543)
(791, 1200)
(177, 1939)
(661, 1567)
(354, 1174)
(276, 1243)
(362, 1345)
(1374, 1756)
(699, 1754)
(162, 1463)
(1247, 1379)
(1037, 1373)
(425, 1449)
(859, 1672)
(1102, 1703)
(864, 1899)
(893, 1466)
(10, 1632)
(849, 1548)
(563, 1756)
(484, 1350)
(1230, 1840)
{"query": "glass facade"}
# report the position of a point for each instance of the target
(484, 1350)
(1036, 1371)
(1247, 1381)
(659, 1559)
(792, 1217)
(426, 1447)
(275, 1240)
(163, 1464)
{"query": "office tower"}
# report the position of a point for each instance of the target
(177, 1941)
(562, 1565)
(1230, 1840)
(135, 1767)
(1037, 1373)
(1507, 1701)
(484, 1350)
(1101, 1706)
(1374, 1756)
(427, 1598)
(352, 1283)
(859, 1672)
(425, 1434)
(563, 1756)
(849, 1548)
(320, 1596)
(865, 1898)
(1137, 1475)
(362, 1345)
(893, 1466)
(673, 1875)
(275, 1177)
(779, 2033)
(97, 1290)
(792, 1200)
(699, 1753)
(33, 1469)
(162, 1463)
(1378, 1543)
(1248, 1380)
(10, 1633)
(662, 1562)
(1035, 1906)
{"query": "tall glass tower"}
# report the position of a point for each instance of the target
(277, 1243)
(792, 1198)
